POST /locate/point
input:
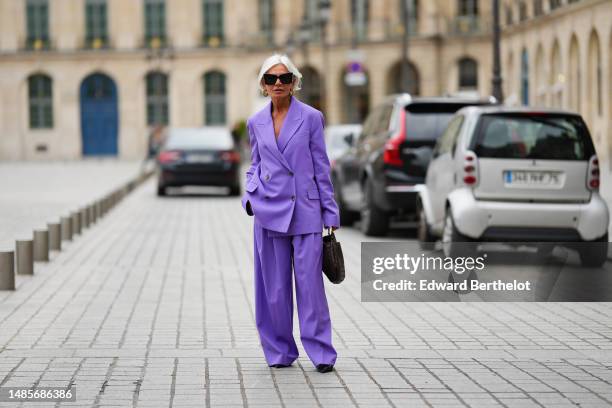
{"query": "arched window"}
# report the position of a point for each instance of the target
(157, 98)
(594, 79)
(467, 8)
(40, 98)
(557, 79)
(574, 79)
(524, 77)
(311, 88)
(214, 98)
(468, 73)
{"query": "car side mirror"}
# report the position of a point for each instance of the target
(349, 139)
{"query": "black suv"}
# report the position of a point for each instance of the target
(381, 174)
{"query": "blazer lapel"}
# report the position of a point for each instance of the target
(266, 127)
(292, 123)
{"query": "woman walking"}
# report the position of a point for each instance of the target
(289, 192)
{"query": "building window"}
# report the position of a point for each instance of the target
(214, 98)
(37, 15)
(509, 16)
(525, 77)
(40, 98)
(522, 11)
(468, 74)
(359, 19)
(266, 20)
(157, 98)
(96, 35)
(155, 23)
(538, 8)
(555, 4)
(413, 14)
(311, 17)
(213, 23)
(467, 8)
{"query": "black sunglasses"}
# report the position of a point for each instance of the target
(286, 78)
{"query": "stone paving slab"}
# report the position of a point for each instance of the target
(36, 192)
(153, 306)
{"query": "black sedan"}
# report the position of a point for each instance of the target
(204, 156)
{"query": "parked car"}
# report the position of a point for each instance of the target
(379, 177)
(338, 139)
(514, 174)
(204, 156)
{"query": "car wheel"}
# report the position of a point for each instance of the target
(454, 243)
(374, 221)
(234, 190)
(593, 254)
(427, 241)
(347, 217)
(161, 191)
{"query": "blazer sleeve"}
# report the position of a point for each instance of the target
(255, 159)
(331, 215)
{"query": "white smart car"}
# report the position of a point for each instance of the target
(514, 175)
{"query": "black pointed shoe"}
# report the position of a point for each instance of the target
(325, 368)
(280, 365)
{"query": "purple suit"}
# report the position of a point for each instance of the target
(289, 191)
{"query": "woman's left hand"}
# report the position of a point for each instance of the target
(333, 227)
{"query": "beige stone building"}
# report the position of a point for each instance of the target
(92, 77)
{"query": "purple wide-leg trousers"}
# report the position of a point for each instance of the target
(274, 257)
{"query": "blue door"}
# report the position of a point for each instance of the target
(99, 115)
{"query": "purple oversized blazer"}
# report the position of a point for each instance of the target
(288, 185)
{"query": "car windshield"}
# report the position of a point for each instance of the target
(533, 136)
(213, 139)
(427, 121)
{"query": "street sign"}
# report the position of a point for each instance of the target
(355, 78)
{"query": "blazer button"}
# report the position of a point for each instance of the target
(267, 177)
(292, 198)
(291, 173)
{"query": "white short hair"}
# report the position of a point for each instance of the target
(284, 60)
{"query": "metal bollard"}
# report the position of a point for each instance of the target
(84, 218)
(76, 223)
(92, 213)
(55, 236)
(7, 270)
(41, 245)
(67, 228)
(24, 258)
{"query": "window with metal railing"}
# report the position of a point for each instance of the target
(360, 10)
(157, 98)
(40, 100)
(37, 24)
(212, 14)
(155, 23)
(96, 27)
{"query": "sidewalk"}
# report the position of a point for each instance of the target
(34, 193)
(153, 306)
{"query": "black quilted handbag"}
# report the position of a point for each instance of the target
(333, 260)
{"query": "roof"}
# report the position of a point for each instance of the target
(515, 109)
(407, 98)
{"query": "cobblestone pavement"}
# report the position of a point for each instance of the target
(153, 307)
(34, 193)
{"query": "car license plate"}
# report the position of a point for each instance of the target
(523, 178)
(199, 158)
